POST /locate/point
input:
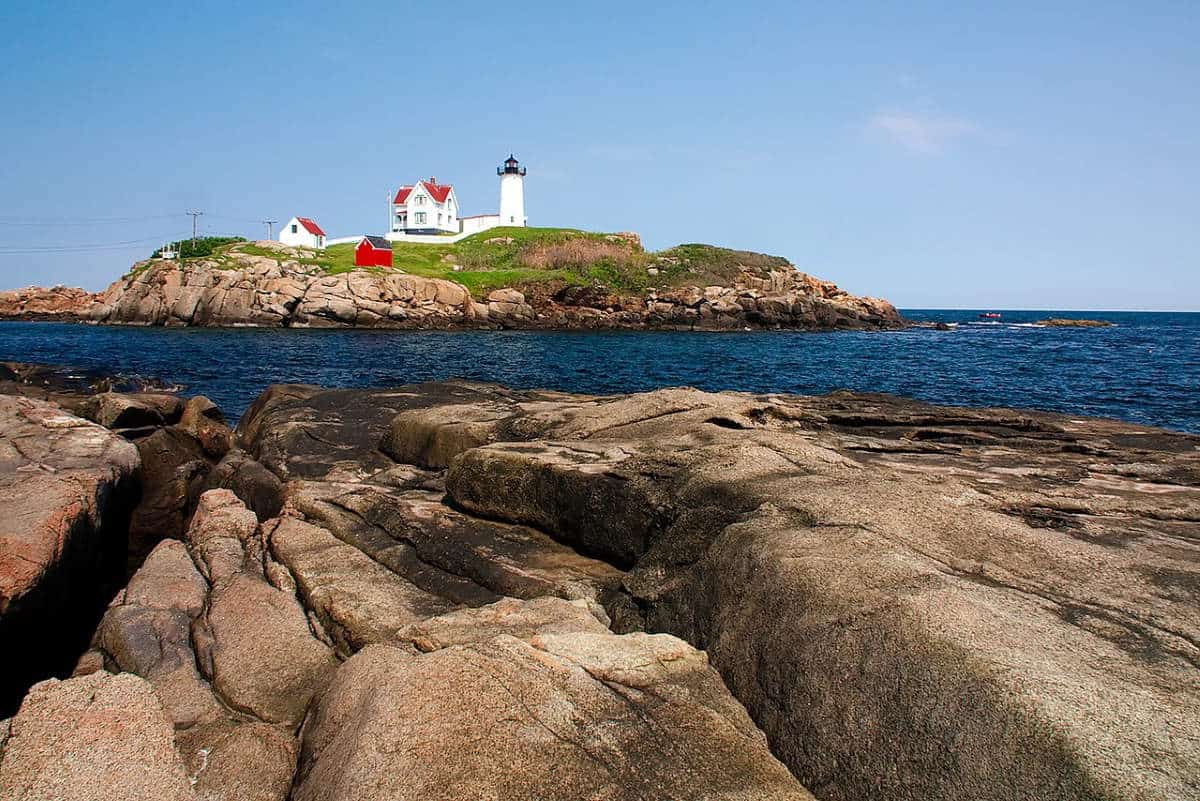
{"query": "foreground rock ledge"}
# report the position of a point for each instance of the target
(215, 666)
(911, 601)
(458, 590)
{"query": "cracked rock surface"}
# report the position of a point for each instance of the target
(457, 591)
(910, 600)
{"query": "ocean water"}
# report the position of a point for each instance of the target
(1146, 369)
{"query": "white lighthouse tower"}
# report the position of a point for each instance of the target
(512, 192)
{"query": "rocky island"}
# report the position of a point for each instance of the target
(503, 278)
(460, 591)
(1072, 322)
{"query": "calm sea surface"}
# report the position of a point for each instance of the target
(1146, 369)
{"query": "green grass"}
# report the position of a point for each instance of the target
(518, 257)
(255, 250)
(486, 261)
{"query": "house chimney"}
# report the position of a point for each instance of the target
(432, 180)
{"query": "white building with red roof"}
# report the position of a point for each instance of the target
(425, 207)
(428, 208)
(302, 232)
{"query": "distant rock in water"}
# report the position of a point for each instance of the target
(42, 303)
(1066, 322)
(287, 288)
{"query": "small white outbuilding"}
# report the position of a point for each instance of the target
(302, 232)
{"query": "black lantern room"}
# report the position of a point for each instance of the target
(510, 167)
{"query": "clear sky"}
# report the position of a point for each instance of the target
(1006, 155)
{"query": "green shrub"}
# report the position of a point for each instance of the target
(201, 246)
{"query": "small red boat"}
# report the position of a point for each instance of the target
(989, 315)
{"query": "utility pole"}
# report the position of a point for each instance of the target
(269, 223)
(194, 214)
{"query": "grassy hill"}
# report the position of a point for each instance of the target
(515, 257)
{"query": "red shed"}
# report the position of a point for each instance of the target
(373, 251)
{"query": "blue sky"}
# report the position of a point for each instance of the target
(1015, 155)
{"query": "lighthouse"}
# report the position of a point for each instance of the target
(512, 192)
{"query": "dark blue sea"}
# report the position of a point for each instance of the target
(1146, 369)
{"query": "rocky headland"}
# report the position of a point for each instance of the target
(582, 283)
(462, 591)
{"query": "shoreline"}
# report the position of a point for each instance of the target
(466, 328)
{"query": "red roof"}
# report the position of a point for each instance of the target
(311, 226)
(438, 192)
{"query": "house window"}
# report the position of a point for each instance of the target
(293, 229)
(419, 200)
(439, 218)
(420, 218)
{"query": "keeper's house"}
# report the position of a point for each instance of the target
(425, 207)
(373, 251)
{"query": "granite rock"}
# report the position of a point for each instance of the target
(554, 715)
(95, 738)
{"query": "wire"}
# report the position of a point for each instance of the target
(127, 244)
(79, 221)
(85, 221)
(234, 219)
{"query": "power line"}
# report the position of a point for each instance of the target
(17, 220)
(128, 244)
(83, 245)
(79, 221)
(231, 219)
